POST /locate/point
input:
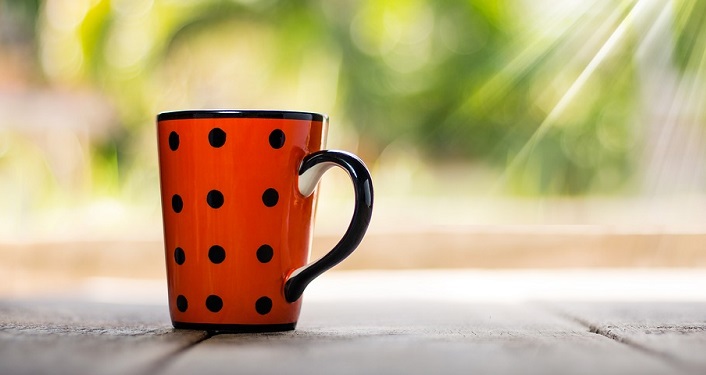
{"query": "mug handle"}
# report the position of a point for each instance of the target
(313, 167)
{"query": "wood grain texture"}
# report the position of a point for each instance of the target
(420, 338)
(403, 322)
(60, 265)
(674, 331)
(86, 338)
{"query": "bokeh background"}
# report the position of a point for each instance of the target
(471, 114)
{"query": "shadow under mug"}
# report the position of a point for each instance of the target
(238, 192)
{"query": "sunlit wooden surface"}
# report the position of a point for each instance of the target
(33, 266)
(387, 322)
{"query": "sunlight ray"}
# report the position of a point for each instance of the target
(609, 46)
(672, 165)
(535, 51)
(691, 166)
(529, 57)
(658, 84)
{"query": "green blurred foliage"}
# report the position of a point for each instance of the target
(690, 18)
(471, 81)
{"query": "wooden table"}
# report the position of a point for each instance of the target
(402, 322)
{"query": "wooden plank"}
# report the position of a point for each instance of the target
(407, 322)
(675, 331)
(522, 247)
(419, 337)
(73, 337)
(42, 266)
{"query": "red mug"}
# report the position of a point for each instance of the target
(238, 192)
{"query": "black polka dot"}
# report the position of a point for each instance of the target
(214, 303)
(214, 198)
(270, 197)
(179, 256)
(277, 138)
(216, 254)
(265, 253)
(173, 141)
(263, 305)
(217, 137)
(182, 303)
(177, 203)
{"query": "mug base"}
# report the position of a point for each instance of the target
(235, 328)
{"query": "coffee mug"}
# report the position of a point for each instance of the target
(238, 192)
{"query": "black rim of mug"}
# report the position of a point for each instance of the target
(238, 113)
